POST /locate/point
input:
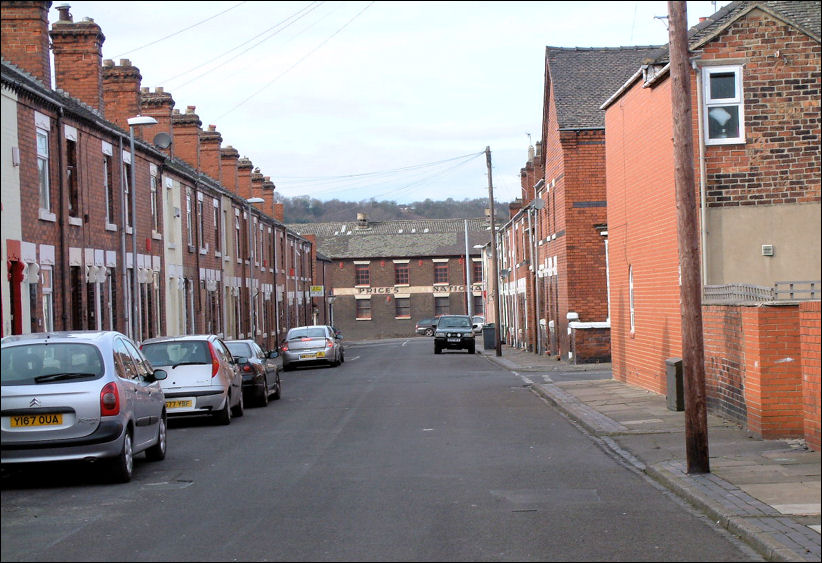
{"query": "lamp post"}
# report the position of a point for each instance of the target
(136, 313)
(251, 249)
(331, 298)
(494, 253)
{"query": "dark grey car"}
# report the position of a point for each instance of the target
(454, 332)
(261, 375)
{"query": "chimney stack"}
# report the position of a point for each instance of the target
(244, 168)
(268, 195)
(159, 105)
(210, 157)
(228, 165)
(121, 92)
(187, 136)
(78, 56)
(25, 30)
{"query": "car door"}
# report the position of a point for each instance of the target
(137, 396)
(232, 374)
(269, 366)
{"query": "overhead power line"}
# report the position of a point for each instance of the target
(180, 31)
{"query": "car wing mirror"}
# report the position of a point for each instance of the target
(159, 374)
(273, 354)
(240, 359)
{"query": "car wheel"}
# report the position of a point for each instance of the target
(223, 416)
(157, 452)
(472, 348)
(122, 466)
(277, 393)
(239, 408)
(429, 332)
(286, 367)
(342, 357)
(437, 349)
(262, 396)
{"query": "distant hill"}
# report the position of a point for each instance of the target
(306, 210)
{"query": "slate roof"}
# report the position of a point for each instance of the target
(805, 15)
(584, 78)
(396, 239)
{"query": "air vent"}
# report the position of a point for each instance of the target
(767, 250)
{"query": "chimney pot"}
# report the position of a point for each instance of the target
(65, 15)
(125, 62)
(144, 89)
(212, 128)
(190, 109)
(159, 90)
(108, 63)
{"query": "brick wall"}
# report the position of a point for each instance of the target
(591, 345)
(723, 332)
(642, 235)
(782, 116)
(25, 37)
(121, 93)
(78, 55)
(810, 342)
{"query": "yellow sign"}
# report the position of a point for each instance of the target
(317, 291)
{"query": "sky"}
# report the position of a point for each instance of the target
(392, 101)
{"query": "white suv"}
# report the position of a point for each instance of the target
(202, 375)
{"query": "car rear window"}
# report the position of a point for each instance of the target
(310, 332)
(177, 352)
(239, 348)
(454, 322)
(32, 364)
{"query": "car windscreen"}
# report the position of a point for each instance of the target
(177, 352)
(308, 332)
(54, 362)
(457, 322)
(239, 349)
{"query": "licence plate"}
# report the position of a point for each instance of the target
(29, 420)
(187, 403)
(312, 355)
(453, 340)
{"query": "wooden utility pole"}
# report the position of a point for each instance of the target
(690, 291)
(495, 286)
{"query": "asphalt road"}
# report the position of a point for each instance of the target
(397, 455)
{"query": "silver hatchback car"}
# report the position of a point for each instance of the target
(311, 345)
(202, 375)
(80, 395)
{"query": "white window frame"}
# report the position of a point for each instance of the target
(737, 100)
(631, 297)
(156, 198)
(47, 288)
(43, 169)
(189, 218)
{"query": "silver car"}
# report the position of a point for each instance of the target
(202, 375)
(312, 345)
(80, 396)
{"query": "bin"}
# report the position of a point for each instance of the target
(675, 396)
(489, 333)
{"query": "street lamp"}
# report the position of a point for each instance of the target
(136, 323)
(331, 298)
(251, 248)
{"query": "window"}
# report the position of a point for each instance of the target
(156, 197)
(724, 107)
(218, 236)
(71, 179)
(441, 272)
(237, 253)
(361, 275)
(441, 305)
(189, 219)
(476, 274)
(363, 308)
(108, 188)
(401, 274)
(200, 222)
(48, 298)
(43, 168)
(402, 307)
(128, 194)
(478, 305)
(631, 295)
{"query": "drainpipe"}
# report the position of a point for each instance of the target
(128, 313)
(703, 179)
(63, 258)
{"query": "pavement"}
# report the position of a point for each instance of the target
(766, 492)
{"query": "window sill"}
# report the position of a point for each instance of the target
(403, 318)
(75, 221)
(111, 227)
(156, 236)
(129, 230)
(46, 215)
(171, 246)
(364, 319)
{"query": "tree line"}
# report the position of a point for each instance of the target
(304, 209)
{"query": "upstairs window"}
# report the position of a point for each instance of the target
(441, 272)
(43, 168)
(71, 179)
(400, 274)
(724, 105)
(476, 273)
(108, 187)
(361, 275)
(156, 199)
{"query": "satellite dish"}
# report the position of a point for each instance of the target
(162, 140)
(538, 203)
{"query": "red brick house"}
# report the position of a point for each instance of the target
(755, 92)
(553, 288)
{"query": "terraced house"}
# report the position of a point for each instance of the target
(120, 211)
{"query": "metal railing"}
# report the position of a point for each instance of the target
(743, 293)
